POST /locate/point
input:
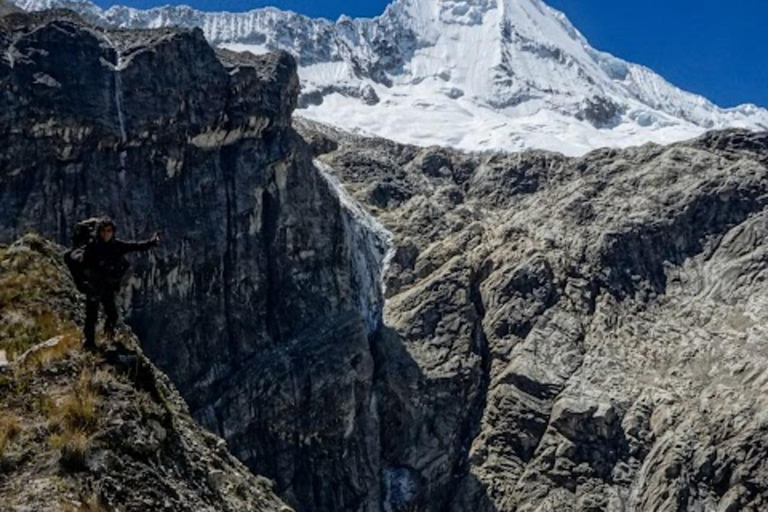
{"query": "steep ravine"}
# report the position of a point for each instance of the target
(371, 252)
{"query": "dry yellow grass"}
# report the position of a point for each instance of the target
(68, 342)
(92, 503)
(77, 411)
(10, 428)
(73, 420)
(73, 446)
(29, 277)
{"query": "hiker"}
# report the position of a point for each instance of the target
(100, 266)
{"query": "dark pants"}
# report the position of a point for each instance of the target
(107, 300)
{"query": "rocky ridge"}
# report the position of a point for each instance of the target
(97, 432)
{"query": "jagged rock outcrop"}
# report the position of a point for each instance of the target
(97, 432)
(570, 334)
(582, 334)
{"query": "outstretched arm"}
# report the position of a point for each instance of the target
(126, 247)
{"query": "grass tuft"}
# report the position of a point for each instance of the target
(73, 446)
(74, 419)
(77, 410)
(10, 428)
(92, 503)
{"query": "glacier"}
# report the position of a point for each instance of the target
(470, 74)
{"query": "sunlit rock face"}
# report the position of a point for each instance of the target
(583, 334)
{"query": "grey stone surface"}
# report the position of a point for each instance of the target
(7, 8)
(583, 334)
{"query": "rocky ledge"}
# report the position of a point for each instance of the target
(97, 431)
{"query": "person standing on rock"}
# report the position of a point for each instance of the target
(103, 266)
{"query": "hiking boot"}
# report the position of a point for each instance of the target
(90, 346)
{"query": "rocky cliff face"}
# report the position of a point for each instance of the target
(252, 304)
(571, 334)
(7, 8)
(558, 334)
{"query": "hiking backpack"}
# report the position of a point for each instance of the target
(84, 233)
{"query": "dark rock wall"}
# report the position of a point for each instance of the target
(248, 304)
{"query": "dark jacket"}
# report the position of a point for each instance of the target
(104, 263)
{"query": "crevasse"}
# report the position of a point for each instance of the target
(371, 250)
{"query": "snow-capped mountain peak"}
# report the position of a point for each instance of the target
(473, 74)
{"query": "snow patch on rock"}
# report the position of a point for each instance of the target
(371, 251)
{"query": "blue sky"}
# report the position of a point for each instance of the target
(717, 48)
